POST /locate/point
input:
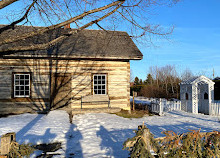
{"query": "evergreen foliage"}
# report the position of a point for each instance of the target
(149, 80)
(137, 85)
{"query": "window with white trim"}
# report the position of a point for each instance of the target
(21, 85)
(99, 84)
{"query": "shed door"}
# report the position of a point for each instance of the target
(61, 90)
(203, 102)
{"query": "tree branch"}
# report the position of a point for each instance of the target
(41, 31)
(55, 41)
(11, 26)
(147, 28)
(5, 3)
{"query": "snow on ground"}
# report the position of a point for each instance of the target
(140, 100)
(97, 135)
(37, 128)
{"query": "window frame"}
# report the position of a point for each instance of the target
(93, 84)
(14, 85)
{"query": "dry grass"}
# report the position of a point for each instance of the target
(133, 113)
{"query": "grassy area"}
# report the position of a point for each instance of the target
(133, 114)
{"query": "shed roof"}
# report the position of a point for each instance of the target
(198, 80)
(86, 44)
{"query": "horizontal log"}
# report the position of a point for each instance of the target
(6, 83)
(41, 62)
(117, 97)
(5, 92)
(25, 100)
(41, 78)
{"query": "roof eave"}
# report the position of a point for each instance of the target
(71, 57)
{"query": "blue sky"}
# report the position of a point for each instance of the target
(194, 44)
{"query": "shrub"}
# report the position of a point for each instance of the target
(191, 144)
(23, 150)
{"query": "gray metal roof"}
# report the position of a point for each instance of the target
(96, 44)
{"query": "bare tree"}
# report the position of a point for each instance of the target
(187, 74)
(80, 14)
(165, 84)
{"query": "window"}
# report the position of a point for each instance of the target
(99, 84)
(206, 96)
(186, 96)
(21, 85)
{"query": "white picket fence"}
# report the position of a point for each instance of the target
(156, 107)
(215, 109)
(162, 105)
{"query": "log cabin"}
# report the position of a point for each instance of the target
(88, 63)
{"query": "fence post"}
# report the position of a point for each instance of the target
(6, 141)
(161, 107)
(165, 103)
(133, 101)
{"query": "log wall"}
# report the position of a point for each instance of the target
(81, 71)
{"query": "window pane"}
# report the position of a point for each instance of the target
(103, 81)
(95, 87)
(95, 91)
(26, 76)
(95, 77)
(99, 82)
(206, 96)
(99, 87)
(103, 91)
(21, 82)
(26, 92)
(99, 92)
(16, 92)
(21, 76)
(16, 82)
(22, 88)
(103, 77)
(17, 88)
(26, 82)
(21, 92)
(26, 88)
(95, 81)
(103, 87)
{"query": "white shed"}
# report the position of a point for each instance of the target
(197, 94)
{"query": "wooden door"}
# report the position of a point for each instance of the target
(61, 91)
